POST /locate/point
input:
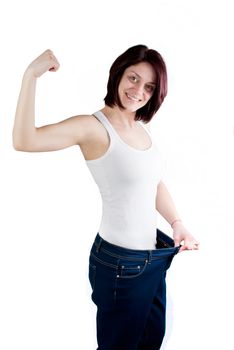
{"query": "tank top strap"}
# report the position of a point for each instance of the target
(102, 118)
(146, 129)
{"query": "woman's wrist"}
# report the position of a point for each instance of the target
(29, 74)
(175, 222)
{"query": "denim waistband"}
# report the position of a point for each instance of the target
(101, 245)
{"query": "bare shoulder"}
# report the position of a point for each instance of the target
(95, 139)
(75, 130)
(88, 127)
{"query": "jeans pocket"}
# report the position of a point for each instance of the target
(131, 269)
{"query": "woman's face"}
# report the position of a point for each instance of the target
(137, 86)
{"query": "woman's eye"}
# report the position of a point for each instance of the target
(150, 88)
(133, 78)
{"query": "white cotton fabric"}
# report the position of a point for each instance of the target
(127, 179)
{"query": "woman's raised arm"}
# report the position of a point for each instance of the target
(26, 137)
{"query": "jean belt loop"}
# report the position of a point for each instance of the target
(149, 256)
(99, 245)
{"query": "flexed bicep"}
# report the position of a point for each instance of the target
(26, 136)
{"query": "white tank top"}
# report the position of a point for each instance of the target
(127, 179)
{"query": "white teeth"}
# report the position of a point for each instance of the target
(132, 98)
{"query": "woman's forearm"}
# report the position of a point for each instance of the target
(24, 131)
(165, 205)
(24, 125)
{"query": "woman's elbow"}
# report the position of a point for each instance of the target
(17, 146)
(20, 145)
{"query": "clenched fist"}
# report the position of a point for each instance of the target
(43, 63)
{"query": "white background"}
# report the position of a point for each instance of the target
(50, 205)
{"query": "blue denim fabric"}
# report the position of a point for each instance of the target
(129, 290)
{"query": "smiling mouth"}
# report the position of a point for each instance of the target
(132, 98)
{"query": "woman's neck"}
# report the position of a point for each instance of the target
(120, 117)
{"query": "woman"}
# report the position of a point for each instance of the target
(129, 256)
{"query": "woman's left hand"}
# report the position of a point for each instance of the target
(181, 234)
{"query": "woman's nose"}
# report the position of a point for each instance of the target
(139, 90)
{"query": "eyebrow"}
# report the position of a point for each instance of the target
(141, 78)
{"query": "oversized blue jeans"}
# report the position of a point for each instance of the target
(129, 290)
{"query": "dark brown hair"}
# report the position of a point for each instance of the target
(134, 55)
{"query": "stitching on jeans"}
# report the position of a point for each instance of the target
(137, 259)
(121, 256)
(92, 275)
(116, 280)
(137, 275)
(103, 262)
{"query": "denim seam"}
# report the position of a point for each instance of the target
(116, 280)
(137, 275)
(116, 267)
(93, 275)
(103, 262)
(121, 256)
(140, 259)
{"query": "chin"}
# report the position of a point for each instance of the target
(131, 107)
